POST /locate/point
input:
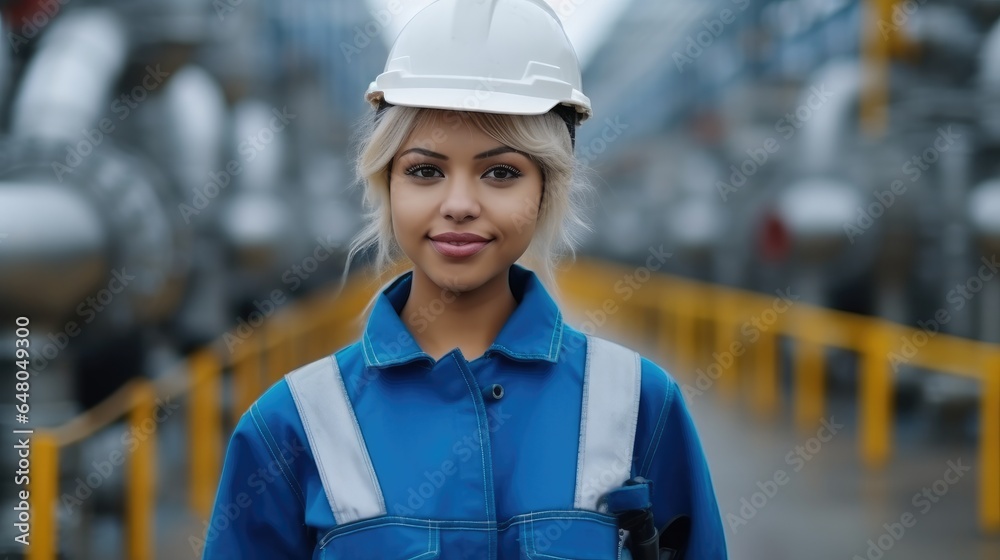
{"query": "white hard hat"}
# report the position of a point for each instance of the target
(495, 56)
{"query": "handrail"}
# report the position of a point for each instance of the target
(814, 328)
(116, 406)
(681, 307)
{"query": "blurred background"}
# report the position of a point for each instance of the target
(824, 175)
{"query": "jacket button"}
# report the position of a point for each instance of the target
(494, 392)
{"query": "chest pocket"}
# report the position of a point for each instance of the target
(569, 535)
(381, 539)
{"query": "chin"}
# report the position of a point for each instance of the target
(460, 278)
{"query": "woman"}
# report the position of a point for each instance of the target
(468, 421)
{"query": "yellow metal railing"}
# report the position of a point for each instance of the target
(685, 305)
(301, 332)
(684, 314)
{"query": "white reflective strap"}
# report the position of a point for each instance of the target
(611, 386)
(336, 442)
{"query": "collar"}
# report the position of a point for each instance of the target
(532, 332)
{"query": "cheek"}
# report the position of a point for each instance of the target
(411, 214)
(400, 215)
(404, 204)
(518, 216)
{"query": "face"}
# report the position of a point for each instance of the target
(451, 178)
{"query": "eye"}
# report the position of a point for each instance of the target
(504, 172)
(422, 171)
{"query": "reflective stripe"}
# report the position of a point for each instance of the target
(608, 418)
(336, 441)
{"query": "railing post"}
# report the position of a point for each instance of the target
(875, 423)
(140, 484)
(312, 340)
(989, 446)
(204, 430)
(332, 332)
(275, 340)
(765, 394)
(246, 377)
(725, 332)
(875, 53)
(687, 348)
(43, 487)
(666, 332)
(808, 372)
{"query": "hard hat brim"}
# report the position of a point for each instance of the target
(478, 100)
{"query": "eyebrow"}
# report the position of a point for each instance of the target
(487, 154)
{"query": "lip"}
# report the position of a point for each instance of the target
(451, 236)
(470, 244)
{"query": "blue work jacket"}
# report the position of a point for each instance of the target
(461, 471)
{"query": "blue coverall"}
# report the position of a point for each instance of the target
(463, 475)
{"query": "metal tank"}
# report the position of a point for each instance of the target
(90, 251)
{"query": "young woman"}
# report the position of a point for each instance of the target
(469, 420)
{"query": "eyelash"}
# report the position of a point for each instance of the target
(515, 174)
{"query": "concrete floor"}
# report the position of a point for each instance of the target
(831, 507)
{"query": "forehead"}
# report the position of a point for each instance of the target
(448, 132)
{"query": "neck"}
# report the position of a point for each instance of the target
(441, 320)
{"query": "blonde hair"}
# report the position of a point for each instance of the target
(545, 138)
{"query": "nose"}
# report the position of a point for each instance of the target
(461, 201)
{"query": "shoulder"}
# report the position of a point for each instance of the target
(657, 383)
(658, 387)
(271, 429)
(660, 399)
(276, 410)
